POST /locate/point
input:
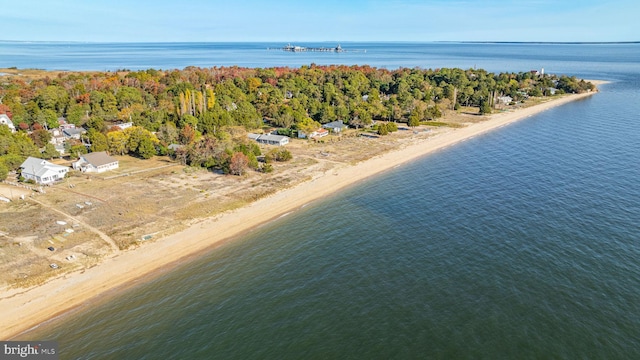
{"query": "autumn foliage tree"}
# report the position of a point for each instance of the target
(188, 105)
(238, 164)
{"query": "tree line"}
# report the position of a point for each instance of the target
(203, 108)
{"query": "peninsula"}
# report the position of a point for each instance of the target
(110, 229)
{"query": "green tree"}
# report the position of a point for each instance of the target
(76, 113)
(4, 171)
(54, 98)
(96, 123)
(50, 152)
(22, 145)
(279, 154)
(188, 119)
(285, 117)
(485, 107)
(382, 129)
(76, 150)
(283, 155)
(47, 118)
(117, 141)
(140, 142)
(127, 96)
(361, 116)
(98, 140)
(433, 112)
(103, 104)
(12, 161)
(414, 118)
(246, 115)
(146, 148)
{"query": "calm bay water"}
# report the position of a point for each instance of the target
(521, 243)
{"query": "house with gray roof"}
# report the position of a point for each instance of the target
(41, 171)
(97, 162)
(73, 133)
(335, 126)
(270, 139)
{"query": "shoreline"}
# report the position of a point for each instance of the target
(25, 309)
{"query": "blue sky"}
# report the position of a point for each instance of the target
(328, 20)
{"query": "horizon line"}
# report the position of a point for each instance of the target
(330, 41)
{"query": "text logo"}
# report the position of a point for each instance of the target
(33, 350)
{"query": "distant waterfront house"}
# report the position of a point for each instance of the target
(270, 139)
(57, 138)
(504, 100)
(73, 133)
(335, 126)
(316, 134)
(97, 162)
(41, 171)
(4, 120)
(123, 126)
(174, 147)
(63, 124)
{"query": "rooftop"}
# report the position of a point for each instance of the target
(99, 158)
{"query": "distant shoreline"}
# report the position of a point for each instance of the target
(320, 42)
(22, 310)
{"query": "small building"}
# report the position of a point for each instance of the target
(270, 139)
(174, 147)
(4, 120)
(504, 100)
(63, 124)
(41, 171)
(57, 138)
(123, 126)
(97, 162)
(316, 134)
(335, 126)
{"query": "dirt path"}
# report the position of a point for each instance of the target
(102, 235)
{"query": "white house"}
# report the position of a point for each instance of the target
(56, 136)
(316, 134)
(42, 171)
(504, 100)
(63, 124)
(335, 126)
(4, 120)
(270, 139)
(96, 162)
(73, 133)
(123, 126)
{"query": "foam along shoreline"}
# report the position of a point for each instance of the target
(24, 309)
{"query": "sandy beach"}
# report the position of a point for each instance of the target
(23, 309)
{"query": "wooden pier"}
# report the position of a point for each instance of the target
(295, 48)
